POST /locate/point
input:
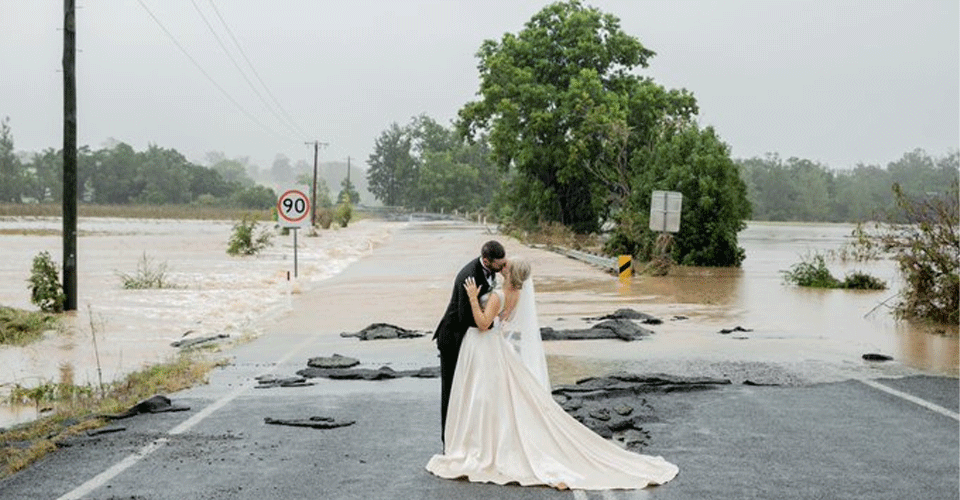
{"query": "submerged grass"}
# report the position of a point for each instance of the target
(83, 409)
(19, 327)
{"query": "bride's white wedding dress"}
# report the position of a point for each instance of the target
(503, 425)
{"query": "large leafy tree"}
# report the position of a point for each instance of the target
(696, 163)
(165, 175)
(115, 178)
(392, 173)
(452, 174)
(560, 104)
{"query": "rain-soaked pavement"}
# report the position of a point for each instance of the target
(813, 419)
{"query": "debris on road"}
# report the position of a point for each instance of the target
(380, 331)
(312, 422)
(183, 344)
(153, 404)
(269, 382)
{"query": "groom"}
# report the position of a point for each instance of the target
(459, 316)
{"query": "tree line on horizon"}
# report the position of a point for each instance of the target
(802, 190)
(117, 174)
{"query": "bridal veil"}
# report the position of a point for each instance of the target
(523, 331)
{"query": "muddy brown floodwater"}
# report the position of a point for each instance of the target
(794, 336)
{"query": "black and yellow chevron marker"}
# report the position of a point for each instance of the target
(626, 269)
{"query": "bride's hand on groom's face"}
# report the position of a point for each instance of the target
(471, 286)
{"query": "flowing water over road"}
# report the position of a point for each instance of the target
(795, 335)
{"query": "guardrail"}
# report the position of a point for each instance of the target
(608, 264)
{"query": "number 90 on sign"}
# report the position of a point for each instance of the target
(292, 208)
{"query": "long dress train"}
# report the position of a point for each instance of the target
(503, 426)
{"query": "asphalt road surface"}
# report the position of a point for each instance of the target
(888, 438)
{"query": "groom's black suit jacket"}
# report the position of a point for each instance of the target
(459, 316)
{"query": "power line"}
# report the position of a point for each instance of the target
(207, 75)
(254, 70)
(242, 73)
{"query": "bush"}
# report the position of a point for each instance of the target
(927, 251)
(46, 291)
(344, 211)
(148, 275)
(863, 281)
(246, 240)
(813, 272)
(324, 217)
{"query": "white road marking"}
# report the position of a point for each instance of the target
(131, 460)
(913, 399)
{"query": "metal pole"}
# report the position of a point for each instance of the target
(295, 251)
(313, 194)
(69, 232)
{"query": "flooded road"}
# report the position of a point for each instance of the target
(795, 336)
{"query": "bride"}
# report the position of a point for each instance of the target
(503, 425)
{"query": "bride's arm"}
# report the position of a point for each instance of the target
(483, 317)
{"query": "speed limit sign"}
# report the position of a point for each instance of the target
(293, 208)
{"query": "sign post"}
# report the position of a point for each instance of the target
(293, 207)
(665, 219)
(665, 211)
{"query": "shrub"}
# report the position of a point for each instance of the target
(324, 217)
(148, 275)
(927, 251)
(811, 272)
(46, 291)
(246, 239)
(863, 281)
(344, 211)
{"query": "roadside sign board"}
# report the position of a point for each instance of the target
(665, 211)
(293, 209)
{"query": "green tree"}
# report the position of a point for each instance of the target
(697, 164)
(255, 197)
(12, 178)
(392, 172)
(165, 176)
(452, 174)
(553, 98)
(233, 171)
(46, 175)
(348, 190)
(115, 178)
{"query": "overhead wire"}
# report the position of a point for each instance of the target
(270, 107)
(223, 91)
(253, 69)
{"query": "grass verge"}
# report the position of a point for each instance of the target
(24, 444)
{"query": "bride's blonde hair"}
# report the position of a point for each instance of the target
(519, 272)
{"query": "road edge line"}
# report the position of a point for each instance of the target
(911, 398)
(131, 460)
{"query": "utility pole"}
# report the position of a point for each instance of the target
(69, 231)
(313, 193)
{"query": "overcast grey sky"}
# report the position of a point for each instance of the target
(836, 81)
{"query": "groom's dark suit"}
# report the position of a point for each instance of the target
(454, 324)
